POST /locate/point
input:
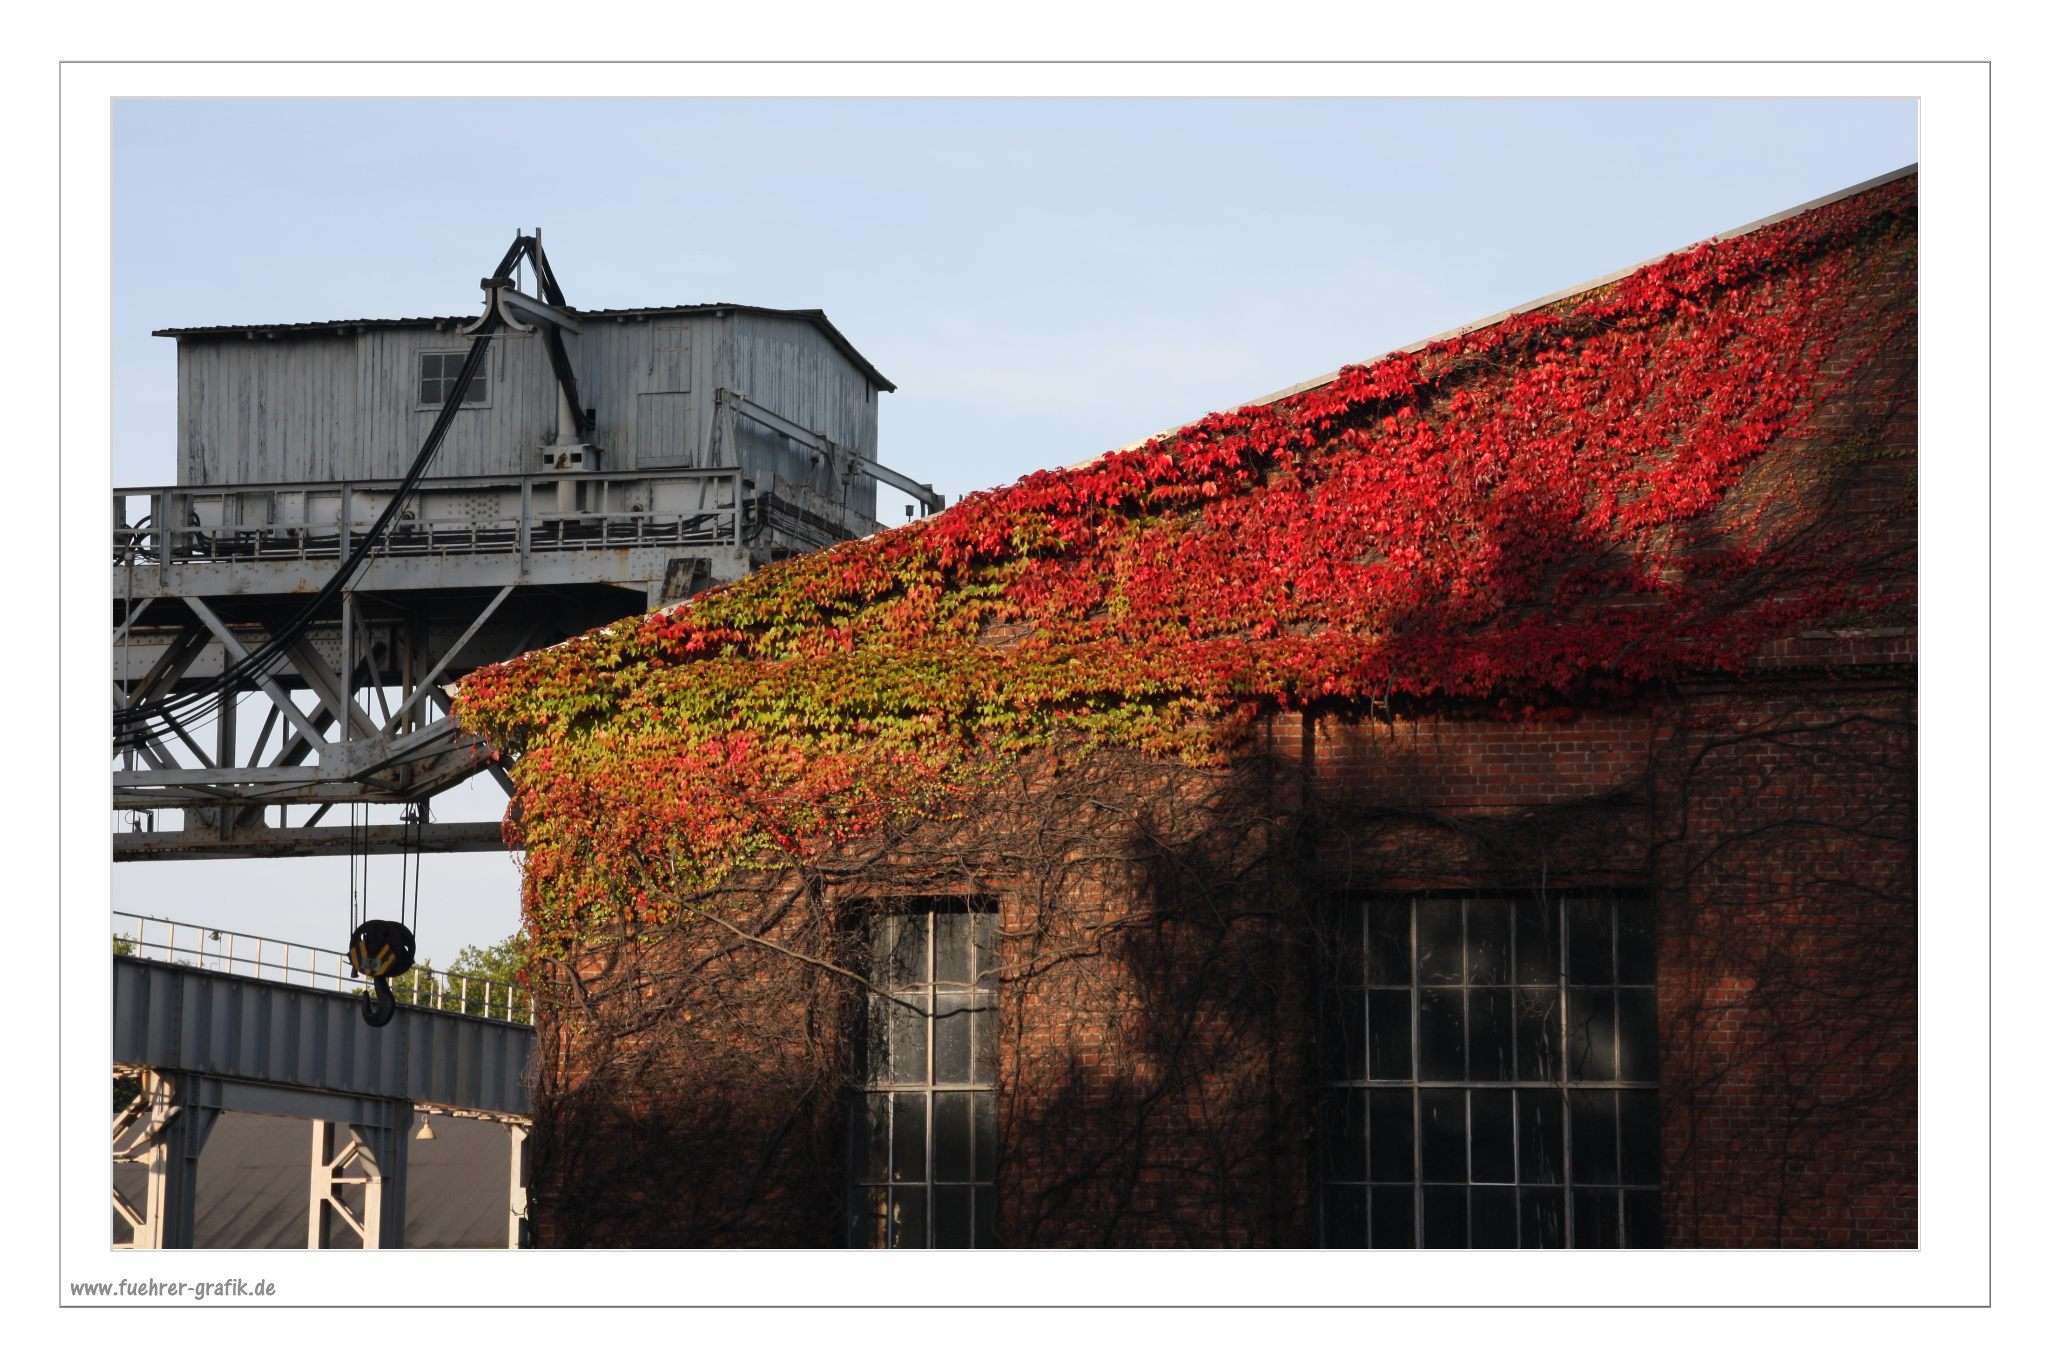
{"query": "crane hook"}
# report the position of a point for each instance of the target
(380, 949)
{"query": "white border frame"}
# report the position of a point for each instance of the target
(1952, 1266)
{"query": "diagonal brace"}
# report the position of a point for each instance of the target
(237, 652)
(433, 674)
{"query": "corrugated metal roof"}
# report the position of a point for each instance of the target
(814, 316)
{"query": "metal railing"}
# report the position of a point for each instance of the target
(536, 513)
(297, 964)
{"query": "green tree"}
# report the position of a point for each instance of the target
(498, 964)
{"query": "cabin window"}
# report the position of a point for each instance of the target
(924, 1121)
(1490, 1073)
(438, 372)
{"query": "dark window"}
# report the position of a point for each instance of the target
(1490, 1067)
(924, 1126)
(438, 372)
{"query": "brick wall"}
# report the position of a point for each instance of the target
(1158, 1053)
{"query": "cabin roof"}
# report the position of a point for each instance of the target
(345, 326)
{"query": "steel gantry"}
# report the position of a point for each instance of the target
(283, 651)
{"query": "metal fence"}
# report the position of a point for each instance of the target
(299, 964)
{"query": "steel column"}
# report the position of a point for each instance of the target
(376, 1148)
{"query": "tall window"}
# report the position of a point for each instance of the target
(925, 1122)
(1490, 1073)
(438, 372)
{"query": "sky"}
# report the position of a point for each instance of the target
(1042, 279)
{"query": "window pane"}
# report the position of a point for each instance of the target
(1593, 1143)
(1642, 1219)
(906, 1150)
(1636, 1025)
(1392, 1144)
(1540, 1127)
(1344, 1216)
(1443, 1216)
(1590, 1046)
(984, 1135)
(1493, 1136)
(1443, 1135)
(1536, 1036)
(950, 948)
(1491, 1056)
(1639, 1137)
(1493, 1217)
(1389, 1036)
(907, 1046)
(479, 387)
(1635, 923)
(1439, 941)
(430, 392)
(1344, 1134)
(1543, 1218)
(1443, 1035)
(1596, 1218)
(1590, 925)
(983, 1022)
(952, 1137)
(906, 950)
(1535, 944)
(952, 1039)
(953, 1216)
(1486, 942)
(908, 1229)
(1387, 945)
(1537, 962)
(1393, 1216)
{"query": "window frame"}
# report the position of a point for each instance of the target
(980, 986)
(419, 380)
(1630, 969)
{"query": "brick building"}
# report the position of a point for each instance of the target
(1623, 955)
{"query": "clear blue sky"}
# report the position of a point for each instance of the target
(1043, 279)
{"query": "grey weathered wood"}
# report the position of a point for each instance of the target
(289, 406)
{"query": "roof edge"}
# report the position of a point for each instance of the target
(814, 316)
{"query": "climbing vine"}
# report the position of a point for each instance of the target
(1542, 513)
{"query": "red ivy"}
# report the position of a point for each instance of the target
(1504, 515)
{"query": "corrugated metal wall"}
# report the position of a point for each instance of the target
(306, 407)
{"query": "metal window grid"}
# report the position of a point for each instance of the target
(903, 1192)
(1635, 1199)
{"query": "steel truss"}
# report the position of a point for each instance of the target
(348, 743)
